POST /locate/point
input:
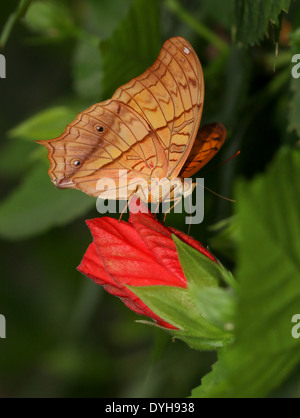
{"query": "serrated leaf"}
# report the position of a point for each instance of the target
(215, 379)
(36, 205)
(126, 55)
(264, 353)
(252, 18)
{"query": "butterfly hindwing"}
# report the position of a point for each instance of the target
(208, 141)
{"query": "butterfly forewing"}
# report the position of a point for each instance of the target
(169, 95)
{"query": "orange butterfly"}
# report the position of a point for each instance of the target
(148, 129)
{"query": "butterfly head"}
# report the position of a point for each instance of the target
(68, 155)
(61, 165)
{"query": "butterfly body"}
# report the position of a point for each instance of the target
(146, 130)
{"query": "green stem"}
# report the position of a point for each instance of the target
(12, 20)
(203, 31)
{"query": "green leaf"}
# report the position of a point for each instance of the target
(102, 18)
(294, 110)
(47, 124)
(87, 70)
(51, 18)
(14, 157)
(265, 352)
(87, 62)
(215, 379)
(252, 18)
(294, 120)
(225, 11)
(126, 55)
(36, 205)
(226, 241)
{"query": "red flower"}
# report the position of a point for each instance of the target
(138, 253)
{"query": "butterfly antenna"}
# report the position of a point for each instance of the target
(157, 209)
(172, 207)
(219, 195)
(224, 162)
(124, 209)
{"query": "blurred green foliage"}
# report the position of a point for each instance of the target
(268, 273)
(65, 336)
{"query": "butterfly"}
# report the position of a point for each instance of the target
(148, 129)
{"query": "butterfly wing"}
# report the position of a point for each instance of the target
(149, 127)
(169, 96)
(208, 141)
(101, 141)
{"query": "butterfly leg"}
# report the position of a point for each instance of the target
(127, 205)
(172, 207)
(130, 197)
(162, 200)
(190, 204)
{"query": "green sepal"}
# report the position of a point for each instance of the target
(180, 308)
(200, 269)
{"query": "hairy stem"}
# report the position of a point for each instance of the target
(12, 20)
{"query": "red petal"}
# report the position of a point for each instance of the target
(154, 235)
(125, 256)
(91, 265)
(159, 240)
